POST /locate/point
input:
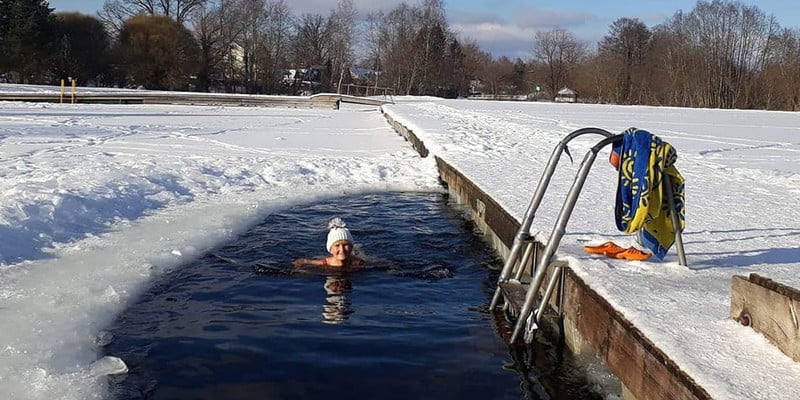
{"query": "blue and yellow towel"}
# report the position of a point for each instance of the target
(641, 203)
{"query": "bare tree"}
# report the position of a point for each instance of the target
(477, 65)
(216, 31)
(500, 75)
(341, 25)
(311, 45)
(626, 46)
(391, 46)
(735, 41)
(275, 44)
(411, 44)
(115, 12)
(781, 74)
(251, 21)
(596, 78)
(675, 70)
(431, 38)
(560, 51)
(374, 43)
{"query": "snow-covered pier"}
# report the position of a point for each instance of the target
(589, 322)
(322, 100)
(661, 328)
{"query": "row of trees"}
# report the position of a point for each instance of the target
(720, 54)
(228, 45)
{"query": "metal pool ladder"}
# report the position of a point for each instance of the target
(528, 317)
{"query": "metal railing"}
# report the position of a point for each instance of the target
(353, 89)
(528, 317)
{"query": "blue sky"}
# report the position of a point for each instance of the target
(506, 27)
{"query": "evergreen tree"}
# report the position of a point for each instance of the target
(5, 7)
(27, 38)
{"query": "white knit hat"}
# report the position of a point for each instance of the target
(338, 231)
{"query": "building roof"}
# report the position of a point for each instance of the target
(567, 91)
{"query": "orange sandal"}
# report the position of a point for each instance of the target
(632, 253)
(608, 249)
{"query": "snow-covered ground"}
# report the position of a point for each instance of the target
(96, 200)
(742, 171)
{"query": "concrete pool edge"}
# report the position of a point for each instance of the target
(590, 322)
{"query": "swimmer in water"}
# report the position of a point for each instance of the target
(339, 245)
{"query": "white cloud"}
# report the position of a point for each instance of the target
(324, 7)
(499, 39)
(552, 18)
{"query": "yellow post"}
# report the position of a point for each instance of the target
(61, 98)
(74, 84)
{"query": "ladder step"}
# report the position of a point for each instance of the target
(514, 293)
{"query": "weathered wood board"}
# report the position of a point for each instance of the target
(770, 308)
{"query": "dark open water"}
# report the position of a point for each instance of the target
(240, 324)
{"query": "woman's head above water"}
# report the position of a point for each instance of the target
(338, 232)
(339, 245)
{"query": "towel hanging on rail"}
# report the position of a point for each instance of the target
(643, 160)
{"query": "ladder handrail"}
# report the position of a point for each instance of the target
(673, 215)
(527, 220)
(559, 229)
(558, 233)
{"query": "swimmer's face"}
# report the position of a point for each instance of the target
(342, 249)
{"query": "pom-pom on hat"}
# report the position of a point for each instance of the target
(337, 231)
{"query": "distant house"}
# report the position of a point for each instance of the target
(566, 95)
(362, 76)
(303, 76)
(236, 56)
(476, 87)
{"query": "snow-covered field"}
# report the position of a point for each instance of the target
(97, 200)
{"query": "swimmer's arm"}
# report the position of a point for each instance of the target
(306, 261)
